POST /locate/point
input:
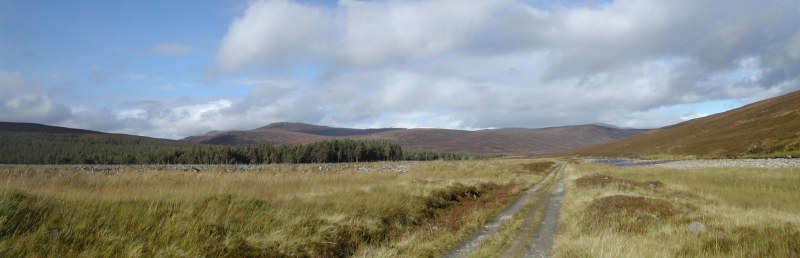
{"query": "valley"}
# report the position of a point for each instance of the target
(376, 193)
(394, 129)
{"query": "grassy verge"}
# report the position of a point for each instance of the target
(288, 211)
(646, 212)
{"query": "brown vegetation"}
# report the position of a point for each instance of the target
(598, 180)
(627, 214)
(539, 167)
(331, 210)
(743, 212)
(763, 129)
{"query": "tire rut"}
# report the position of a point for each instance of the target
(542, 243)
(471, 243)
(526, 232)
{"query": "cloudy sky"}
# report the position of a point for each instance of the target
(178, 68)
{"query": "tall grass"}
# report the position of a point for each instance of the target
(623, 212)
(290, 211)
(748, 188)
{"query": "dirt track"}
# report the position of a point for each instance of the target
(540, 245)
(543, 241)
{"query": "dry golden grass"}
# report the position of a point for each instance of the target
(289, 211)
(747, 212)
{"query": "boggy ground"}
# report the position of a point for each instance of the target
(311, 210)
(646, 212)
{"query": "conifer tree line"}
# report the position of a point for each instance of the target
(48, 148)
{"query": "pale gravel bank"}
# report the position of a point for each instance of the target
(718, 163)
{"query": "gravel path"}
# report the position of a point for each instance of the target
(543, 240)
(527, 232)
(469, 245)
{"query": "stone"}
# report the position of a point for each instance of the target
(696, 227)
(52, 235)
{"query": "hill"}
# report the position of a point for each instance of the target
(41, 144)
(768, 128)
(39, 128)
(323, 130)
(27, 143)
(509, 141)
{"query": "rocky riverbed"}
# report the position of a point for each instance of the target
(705, 163)
(716, 163)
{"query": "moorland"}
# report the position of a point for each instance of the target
(71, 193)
(284, 210)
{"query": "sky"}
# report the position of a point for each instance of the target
(172, 69)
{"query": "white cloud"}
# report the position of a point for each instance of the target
(692, 115)
(508, 63)
(457, 64)
(173, 118)
(22, 101)
(131, 113)
(271, 30)
(376, 32)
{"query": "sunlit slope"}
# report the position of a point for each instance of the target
(769, 128)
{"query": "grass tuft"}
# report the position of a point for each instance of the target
(540, 168)
(627, 214)
(21, 212)
(598, 180)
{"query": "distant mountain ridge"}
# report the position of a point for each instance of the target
(509, 141)
(39, 128)
(213, 133)
(611, 126)
(323, 130)
(768, 128)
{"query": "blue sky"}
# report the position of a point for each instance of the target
(178, 68)
(105, 52)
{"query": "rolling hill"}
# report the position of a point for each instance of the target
(32, 128)
(282, 133)
(28, 143)
(39, 128)
(769, 128)
(24, 143)
(509, 141)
